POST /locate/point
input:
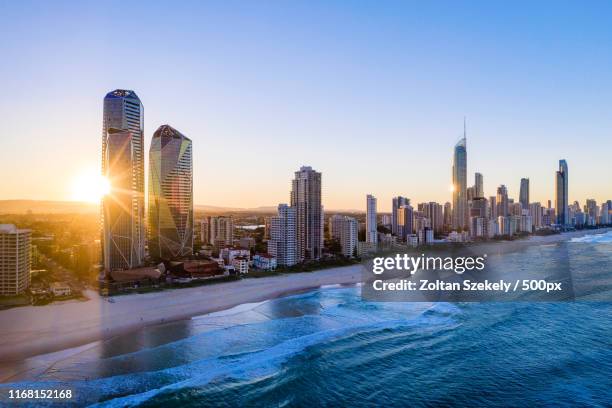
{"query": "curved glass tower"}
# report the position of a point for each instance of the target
(170, 195)
(123, 237)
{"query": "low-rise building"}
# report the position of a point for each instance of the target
(264, 262)
(60, 289)
(241, 264)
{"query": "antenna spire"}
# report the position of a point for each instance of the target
(464, 131)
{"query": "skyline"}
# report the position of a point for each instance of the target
(245, 96)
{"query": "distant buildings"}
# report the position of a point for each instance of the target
(306, 199)
(170, 195)
(371, 222)
(502, 201)
(220, 231)
(397, 203)
(460, 201)
(561, 194)
(478, 185)
(405, 221)
(15, 259)
(123, 237)
(344, 229)
(283, 236)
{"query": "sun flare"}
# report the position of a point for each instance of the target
(90, 186)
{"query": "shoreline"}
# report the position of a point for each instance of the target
(35, 331)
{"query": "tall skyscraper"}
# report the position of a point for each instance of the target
(306, 199)
(524, 194)
(503, 208)
(15, 259)
(460, 205)
(123, 237)
(371, 223)
(478, 186)
(170, 195)
(283, 236)
(561, 194)
(397, 203)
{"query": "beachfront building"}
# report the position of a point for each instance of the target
(265, 262)
(345, 230)
(283, 236)
(170, 195)
(241, 264)
(123, 237)
(371, 223)
(306, 199)
(561, 194)
(15, 259)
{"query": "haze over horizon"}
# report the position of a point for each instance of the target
(372, 96)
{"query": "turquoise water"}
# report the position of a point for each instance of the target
(330, 348)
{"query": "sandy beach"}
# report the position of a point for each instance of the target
(32, 331)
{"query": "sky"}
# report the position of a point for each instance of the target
(372, 94)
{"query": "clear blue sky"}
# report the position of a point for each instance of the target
(372, 94)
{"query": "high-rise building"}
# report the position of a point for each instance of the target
(205, 231)
(503, 205)
(448, 215)
(535, 210)
(524, 193)
(492, 214)
(123, 236)
(460, 205)
(344, 229)
(170, 195)
(283, 236)
(397, 203)
(561, 194)
(221, 231)
(478, 185)
(433, 212)
(405, 220)
(15, 259)
(371, 223)
(306, 199)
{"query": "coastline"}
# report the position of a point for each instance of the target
(34, 331)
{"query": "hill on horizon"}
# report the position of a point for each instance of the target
(76, 207)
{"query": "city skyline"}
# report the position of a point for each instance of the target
(405, 88)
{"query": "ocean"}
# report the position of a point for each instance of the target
(328, 347)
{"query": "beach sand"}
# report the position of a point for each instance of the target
(33, 330)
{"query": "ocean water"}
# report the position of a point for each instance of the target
(328, 347)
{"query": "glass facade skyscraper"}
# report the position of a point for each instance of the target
(561, 194)
(460, 205)
(170, 195)
(123, 237)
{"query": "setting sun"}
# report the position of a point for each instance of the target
(90, 186)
